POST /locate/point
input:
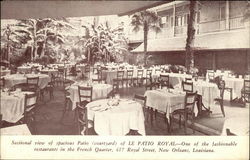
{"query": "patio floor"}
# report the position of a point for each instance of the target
(50, 119)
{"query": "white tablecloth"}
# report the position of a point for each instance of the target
(12, 106)
(164, 101)
(236, 84)
(24, 69)
(16, 130)
(209, 92)
(13, 79)
(175, 79)
(50, 71)
(99, 91)
(237, 125)
(4, 72)
(118, 120)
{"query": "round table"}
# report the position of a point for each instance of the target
(117, 120)
(13, 79)
(12, 106)
(99, 91)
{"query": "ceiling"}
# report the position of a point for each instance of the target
(70, 8)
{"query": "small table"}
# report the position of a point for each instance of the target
(118, 120)
(99, 91)
(12, 106)
(13, 79)
(165, 100)
(236, 84)
(16, 130)
(5, 72)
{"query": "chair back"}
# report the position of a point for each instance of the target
(29, 103)
(130, 74)
(140, 98)
(85, 93)
(210, 74)
(2, 82)
(187, 86)
(87, 69)
(190, 100)
(120, 75)
(246, 86)
(221, 87)
(32, 80)
(188, 80)
(139, 73)
(149, 73)
(1, 117)
(164, 80)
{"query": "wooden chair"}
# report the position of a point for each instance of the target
(67, 101)
(129, 78)
(229, 133)
(1, 118)
(33, 83)
(87, 71)
(245, 93)
(188, 80)
(221, 98)
(190, 100)
(119, 78)
(85, 96)
(139, 77)
(2, 83)
(164, 81)
(30, 103)
(60, 76)
(50, 87)
(210, 75)
(187, 86)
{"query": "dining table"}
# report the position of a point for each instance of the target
(13, 79)
(5, 72)
(116, 117)
(209, 91)
(50, 72)
(100, 91)
(12, 105)
(236, 84)
(166, 100)
(24, 69)
(16, 130)
(175, 79)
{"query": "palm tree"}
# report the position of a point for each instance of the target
(147, 20)
(189, 63)
(30, 28)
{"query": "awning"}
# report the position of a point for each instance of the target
(14, 9)
(213, 41)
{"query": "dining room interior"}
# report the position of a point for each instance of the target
(154, 68)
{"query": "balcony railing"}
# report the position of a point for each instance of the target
(236, 22)
(220, 25)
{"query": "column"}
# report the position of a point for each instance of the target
(227, 15)
(174, 19)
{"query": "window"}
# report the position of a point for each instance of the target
(222, 12)
(172, 21)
